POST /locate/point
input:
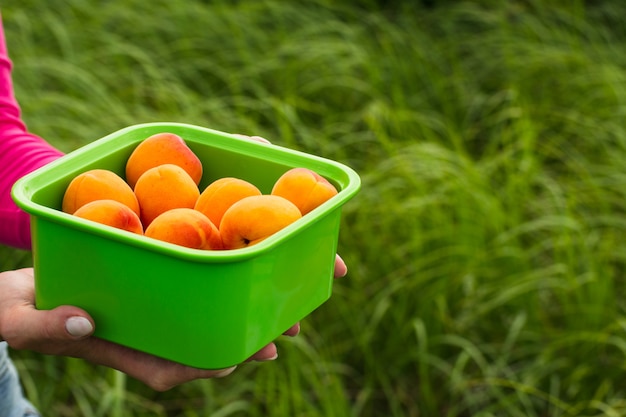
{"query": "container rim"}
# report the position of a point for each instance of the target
(25, 188)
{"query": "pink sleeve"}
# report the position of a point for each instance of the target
(20, 153)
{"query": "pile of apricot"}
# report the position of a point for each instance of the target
(161, 199)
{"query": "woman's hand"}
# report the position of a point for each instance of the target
(67, 331)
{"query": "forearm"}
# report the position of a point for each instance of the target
(20, 153)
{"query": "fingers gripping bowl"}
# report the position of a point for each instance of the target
(203, 308)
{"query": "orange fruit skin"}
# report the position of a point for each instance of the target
(305, 188)
(160, 149)
(255, 218)
(185, 227)
(111, 213)
(222, 193)
(98, 184)
(163, 188)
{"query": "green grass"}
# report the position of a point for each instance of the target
(486, 248)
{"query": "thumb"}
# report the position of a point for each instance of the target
(66, 322)
(79, 326)
(45, 331)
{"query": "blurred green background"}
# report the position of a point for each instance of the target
(485, 249)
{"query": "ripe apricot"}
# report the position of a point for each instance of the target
(185, 227)
(163, 188)
(111, 213)
(159, 149)
(98, 184)
(222, 193)
(253, 219)
(305, 188)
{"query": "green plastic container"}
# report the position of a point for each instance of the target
(207, 309)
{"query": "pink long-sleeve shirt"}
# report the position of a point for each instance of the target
(21, 152)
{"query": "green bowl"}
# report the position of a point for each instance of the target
(207, 309)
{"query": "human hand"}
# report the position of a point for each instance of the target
(67, 331)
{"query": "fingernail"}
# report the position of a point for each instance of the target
(78, 326)
(269, 359)
(225, 372)
(260, 139)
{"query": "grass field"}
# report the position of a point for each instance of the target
(487, 247)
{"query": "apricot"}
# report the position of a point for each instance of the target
(111, 213)
(163, 188)
(98, 184)
(159, 149)
(185, 227)
(255, 218)
(222, 193)
(305, 188)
